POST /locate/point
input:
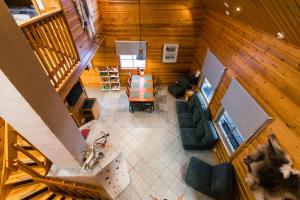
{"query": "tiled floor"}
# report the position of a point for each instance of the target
(151, 145)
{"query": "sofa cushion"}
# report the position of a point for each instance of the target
(198, 175)
(182, 107)
(196, 116)
(222, 180)
(200, 131)
(188, 138)
(191, 103)
(199, 103)
(185, 120)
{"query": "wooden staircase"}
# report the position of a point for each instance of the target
(24, 169)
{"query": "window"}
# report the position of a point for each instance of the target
(206, 91)
(212, 73)
(130, 62)
(229, 131)
(241, 116)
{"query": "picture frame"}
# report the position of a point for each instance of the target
(170, 53)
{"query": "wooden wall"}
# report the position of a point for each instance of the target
(271, 16)
(269, 70)
(2, 137)
(168, 21)
(86, 47)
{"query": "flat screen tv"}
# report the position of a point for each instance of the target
(74, 94)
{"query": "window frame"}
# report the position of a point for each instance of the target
(130, 68)
(225, 139)
(233, 153)
(203, 96)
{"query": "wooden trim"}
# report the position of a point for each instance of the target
(39, 18)
(26, 168)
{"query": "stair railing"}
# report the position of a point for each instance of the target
(51, 40)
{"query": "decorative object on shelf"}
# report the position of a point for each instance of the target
(270, 173)
(93, 155)
(109, 78)
(170, 53)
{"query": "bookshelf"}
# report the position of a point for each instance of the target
(109, 78)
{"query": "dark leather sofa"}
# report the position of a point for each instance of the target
(178, 89)
(196, 129)
(215, 181)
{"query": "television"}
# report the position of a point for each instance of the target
(74, 94)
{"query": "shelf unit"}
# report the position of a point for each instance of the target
(109, 78)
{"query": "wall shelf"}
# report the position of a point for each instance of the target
(109, 78)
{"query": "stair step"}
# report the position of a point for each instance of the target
(25, 145)
(20, 176)
(27, 160)
(44, 196)
(58, 197)
(26, 191)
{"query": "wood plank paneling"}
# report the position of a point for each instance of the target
(269, 70)
(162, 22)
(271, 16)
(85, 46)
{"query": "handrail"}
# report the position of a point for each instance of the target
(39, 18)
(52, 43)
(70, 188)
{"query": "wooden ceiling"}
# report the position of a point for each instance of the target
(271, 16)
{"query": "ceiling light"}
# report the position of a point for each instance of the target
(238, 9)
(141, 55)
(227, 12)
(280, 35)
(226, 4)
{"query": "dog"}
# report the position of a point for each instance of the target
(270, 173)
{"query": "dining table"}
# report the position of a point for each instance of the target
(141, 89)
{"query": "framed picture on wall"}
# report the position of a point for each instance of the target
(170, 53)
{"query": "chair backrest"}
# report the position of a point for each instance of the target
(129, 75)
(128, 91)
(129, 82)
(154, 91)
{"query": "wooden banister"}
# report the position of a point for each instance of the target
(51, 40)
(69, 187)
(38, 18)
(27, 168)
(29, 155)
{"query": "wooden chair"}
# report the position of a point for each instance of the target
(154, 91)
(129, 82)
(129, 75)
(128, 92)
(131, 104)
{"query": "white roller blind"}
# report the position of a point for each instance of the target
(247, 115)
(213, 69)
(130, 47)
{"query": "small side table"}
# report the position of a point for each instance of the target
(90, 109)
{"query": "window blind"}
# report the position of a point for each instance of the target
(247, 115)
(130, 47)
(213, 69)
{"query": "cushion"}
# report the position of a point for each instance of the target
(198, 175)
(191, 103)
(200, 131)
(222, 180)
(188, 136)
(182, 107)
(196, 116)
(185, 120)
